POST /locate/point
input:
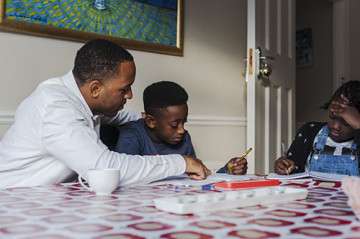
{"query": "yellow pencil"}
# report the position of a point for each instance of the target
(246, 153)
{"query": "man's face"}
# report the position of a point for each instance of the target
(169, 126)
(117, 90)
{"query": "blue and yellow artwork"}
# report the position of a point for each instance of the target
(152, 21)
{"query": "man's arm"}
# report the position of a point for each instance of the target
(67, 135)
(122, 117)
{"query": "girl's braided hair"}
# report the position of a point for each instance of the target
(350, 90)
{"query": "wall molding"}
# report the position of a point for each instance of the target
(7, 118)
(212, 120)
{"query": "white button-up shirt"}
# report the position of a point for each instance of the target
(55, 136)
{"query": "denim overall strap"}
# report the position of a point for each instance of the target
(320, 145)
(335, 164)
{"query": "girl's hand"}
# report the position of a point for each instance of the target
(349, 113)
(284, 166)
(237, 166)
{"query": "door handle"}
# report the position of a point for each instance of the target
(264, 70)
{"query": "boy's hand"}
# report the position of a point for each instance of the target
(349, 113)
(237, 166)
(195, 168)
(284, 166)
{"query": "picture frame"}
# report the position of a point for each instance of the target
(304, 48)
(145, 25)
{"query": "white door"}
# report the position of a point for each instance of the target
(270, 101)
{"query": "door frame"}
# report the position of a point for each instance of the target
(341, 44)
(251, 83)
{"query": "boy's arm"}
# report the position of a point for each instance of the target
(190, 148)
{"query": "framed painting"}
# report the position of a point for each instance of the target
(304, 49)
(147, 25)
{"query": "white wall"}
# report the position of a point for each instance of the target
(211, 70)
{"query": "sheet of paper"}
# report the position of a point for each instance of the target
(288, 177)
(327, 176)
(213, 178)
(313, 175)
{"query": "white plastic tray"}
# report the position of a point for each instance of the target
(214, 201)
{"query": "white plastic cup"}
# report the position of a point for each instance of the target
(102, 181)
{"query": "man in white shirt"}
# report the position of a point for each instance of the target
(56, 136)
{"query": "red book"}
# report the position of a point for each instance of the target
(248, 183)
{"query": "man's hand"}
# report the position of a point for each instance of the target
(195, 168)
(237, 166)
(284, 166)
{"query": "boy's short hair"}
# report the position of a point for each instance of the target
(350, 90)
(162, 94)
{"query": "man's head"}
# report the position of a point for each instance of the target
(166, 109)
(340, 130)
(104, 72)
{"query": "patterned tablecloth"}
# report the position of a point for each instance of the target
(70, 211)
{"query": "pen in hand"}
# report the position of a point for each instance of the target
(246, 153)
(284, 152)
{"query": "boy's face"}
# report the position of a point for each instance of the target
(168, 125)
(339, 130)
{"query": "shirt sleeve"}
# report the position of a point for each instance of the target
(69, 137)
(222, 170)
(122, 117)
(302, 144)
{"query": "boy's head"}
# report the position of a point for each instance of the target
(165, 105)
(339, 129)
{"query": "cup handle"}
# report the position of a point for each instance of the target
(82, 184)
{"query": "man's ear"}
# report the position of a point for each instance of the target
(95, 88)
(150, 121)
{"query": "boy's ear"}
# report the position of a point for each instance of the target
(150, 121)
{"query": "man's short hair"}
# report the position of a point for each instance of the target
(99, 60)
(162, 94)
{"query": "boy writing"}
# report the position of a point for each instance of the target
(162, 130)
(331, 147)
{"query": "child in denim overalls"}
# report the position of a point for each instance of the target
(331, 147)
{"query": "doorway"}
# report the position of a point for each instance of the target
(314, 80)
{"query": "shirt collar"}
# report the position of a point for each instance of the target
(70, 83)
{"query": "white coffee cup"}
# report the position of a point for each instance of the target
(102, 181)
